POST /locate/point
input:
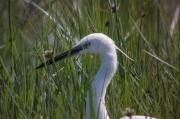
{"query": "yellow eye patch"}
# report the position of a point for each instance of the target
(86, 45)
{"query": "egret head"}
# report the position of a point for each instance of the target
(96, 43)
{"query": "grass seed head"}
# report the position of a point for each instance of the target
(128, 112)
(48, 53)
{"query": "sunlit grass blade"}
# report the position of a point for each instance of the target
(161, 60)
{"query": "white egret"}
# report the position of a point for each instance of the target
(97, 43)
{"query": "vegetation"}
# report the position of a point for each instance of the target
(143, 29)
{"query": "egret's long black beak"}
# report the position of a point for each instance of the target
(71, 52)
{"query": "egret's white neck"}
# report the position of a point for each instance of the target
(100, 83)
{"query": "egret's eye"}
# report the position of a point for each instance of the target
(86, 45)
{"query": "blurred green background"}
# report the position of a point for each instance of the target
(149, 85)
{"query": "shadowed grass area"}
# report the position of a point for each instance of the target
(149, 85)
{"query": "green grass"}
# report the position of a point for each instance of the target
(148, 85)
